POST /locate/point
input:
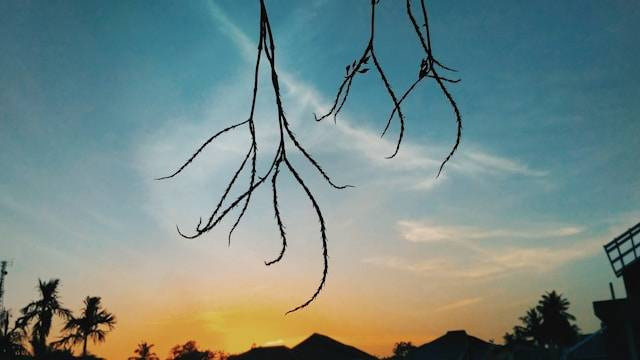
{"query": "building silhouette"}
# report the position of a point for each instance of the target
(621, 317)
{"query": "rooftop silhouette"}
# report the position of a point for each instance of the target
(315, 347)
(454, 345)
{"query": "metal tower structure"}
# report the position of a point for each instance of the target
(624, 255)
(621, 317)
(4, 314)
(3, 273)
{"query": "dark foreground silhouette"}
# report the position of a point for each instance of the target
(315, 347)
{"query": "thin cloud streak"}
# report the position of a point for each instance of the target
(493, 264)
(500, 164)
(273, 342)
(459, 304)
(417, 232)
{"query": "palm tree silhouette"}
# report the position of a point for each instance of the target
(43, 311)
(143, 352)
(91, 324)
(530, 332)
(556, 329)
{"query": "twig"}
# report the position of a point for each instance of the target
(266, 47)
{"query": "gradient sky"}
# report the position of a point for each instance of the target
(99, 98)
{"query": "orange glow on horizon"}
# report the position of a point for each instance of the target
(234, 329)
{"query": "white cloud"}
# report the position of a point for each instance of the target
(273, 342)
(398, 263)
(492, 264)
(485, 260)
(481, 161)
(304, 100)
(360, 148)
(246, 46)
(459, 304)
(415, 231)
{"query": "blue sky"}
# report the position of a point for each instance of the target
(97, 99)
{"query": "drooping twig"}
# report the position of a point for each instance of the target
(359, 67)
(266, 48)
(276, 211)
(202, 148)
(323, 233)
(426, 70)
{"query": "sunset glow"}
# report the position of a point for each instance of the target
(97, 99)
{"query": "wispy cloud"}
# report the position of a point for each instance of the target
(415, 231)
(240, 39)
(491, 163)
(495, 263)
(459, 304)
(485, 260)
(367, 143)
(398, 263)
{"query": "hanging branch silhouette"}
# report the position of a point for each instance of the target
(427, 70)
(266, 49)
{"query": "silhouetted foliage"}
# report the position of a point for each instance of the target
(11, 338)
(190, 351)
(34, 326)
(143, 352)
(41, 312)
(402, 349)
(288, 140)
(61, 354)
(66, 354)
(94, 323)
(556, 329)
(546, 325)
(529, 332)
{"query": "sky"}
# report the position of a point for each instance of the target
(99, 98)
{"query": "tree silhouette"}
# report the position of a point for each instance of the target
(402, 349)
(428, 68)
(143, 352)
(11, 339)
(546, 325)
(556, 329)
(529, 332)
(43, 311)
(94, 322)
(190, 351)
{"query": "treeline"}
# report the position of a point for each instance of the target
(26, 337)
(548, 326)
(188, 351)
